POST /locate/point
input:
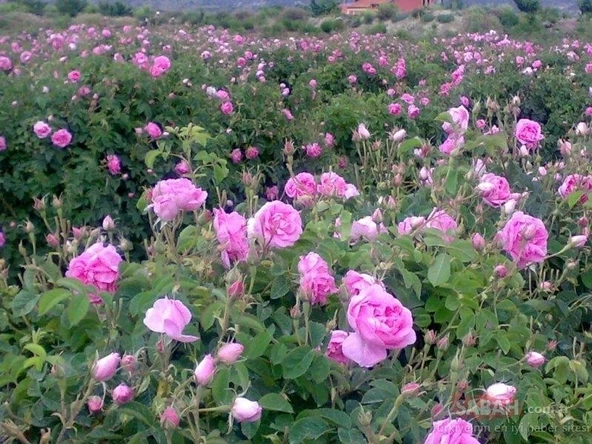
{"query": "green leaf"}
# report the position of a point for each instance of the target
(320, 369)
(151, 158)
(307, 428)
(77, 309)
(51, 298)
(297, 362)
(23, 303)
(350, 436)
(258, 345)
(220, 391)
(275, 402)
(138, 411)
(208, 316)
(439, 271)
(249, 429)
(73, 284)
(280, 287)
(346, 224)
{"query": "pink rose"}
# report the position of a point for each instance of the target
(276, 225)
(5, 63)
(457, 431)
(114, 164)
(500, 394)
(495, 190)
(2, 143)
(169, 316)
(440, 220)
(356, 282)
(230, 352)
(302, 187)
(525, 238)
(226, 108)
(231, 232)
(153, 130)
(160, 66)
(576, 182)
(122, 394)
(410, 224)
(171, 196)
(380, 323)
(244, 410)
(534, 359)
(236, 155)
(41, 129)
(528, 132)
(451, 143)
(366, 229)
(313, 150)
(97, 266)
(334, 350)
(205, 370)
(182, 167)
(395, 109)
(331, 184)
(251, 152)
(74, 76)
(105, 368)
(61, 138)
(316, 281)
(460, 120)
(350, 191)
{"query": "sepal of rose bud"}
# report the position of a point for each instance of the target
(106, 367)
(244, 410)
(229, 353)
(122, 394)
(95, 404)
(169, 418)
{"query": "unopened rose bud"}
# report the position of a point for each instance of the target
(128, 363)
(582, 129)
(410, 389)
(39, 204)
(546, 286)
(377, 216)
(463, 385)
(229, 353)
(122, 394)
(500, 271)
(169, 418)
(437, 411)
(29, 227)
(478, 242)
(365, 418)
(125, 245)
(552, 345)
(529, 232)
(105, 368)
(398, 136)
(534, 359)
(244, 410)
(56, 202)
(52, 240)
(442, 343)
(247, 179)
(469, 340)
(430, 337)
(363, 132)
(577, 241)
(295, 312)
(564, 147)
(236, 289)
(205, 370)
(108, 223)
(95, 404)
(509, 206)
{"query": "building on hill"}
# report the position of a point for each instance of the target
(361, 6)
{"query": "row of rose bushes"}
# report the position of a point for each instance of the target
(450, 307)
(108, 94)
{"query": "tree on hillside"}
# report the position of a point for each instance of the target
(586, 6)
(528, 5)
(322, 7)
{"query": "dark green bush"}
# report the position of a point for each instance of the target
(378, 28)
(368, 17)
(387, 11)
(295, 13)
(427, 17)
(322, 7)
(528, 5)
(327, 26)
(445, 18)
(71, 7)
(33, 6)
(115, 9)
(585, 6)
(507, 17)
(478, 19)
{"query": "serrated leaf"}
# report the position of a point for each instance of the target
(297, 362)
(151, 158)
(51, 298)
(77, 308)
(307, 428)
(275, 402)
(439, 271)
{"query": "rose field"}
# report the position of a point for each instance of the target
(217, 237)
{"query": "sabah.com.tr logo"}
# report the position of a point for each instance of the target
(487, 405)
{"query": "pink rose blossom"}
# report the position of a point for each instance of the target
(452, 431)
(182, 167)
(576, 182)
(334, 350)
(316, 281)
(169, 316)
(313, 150)
(122, 394)
(61, 138)
(230, 352)
(302, 188)
(5, 63)
(366, 229)
(170, 197)
(525, 238)
(114, 164)
(275, 225)
(205, 370)
(528, 132)
(380, 323)
(500, 394)
(495, 190)
(226, 108)
(356, 282)
(231, 232)
(251, 152)
(331, 184)
(535, 359)
(236, 155)
(160, 66)
(395, 109)
(41, 129)
(440, 220)
(74, 76)
(244, 410)
(410, 224)
(105, 368)
(97, 266)
(153, 130)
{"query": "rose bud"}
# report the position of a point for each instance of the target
(229, 353)
(244, 410)
(430, 337)
(108, 223)
(169, 418)
(95, 404)
(577, 241)
(500, 271)
(478, 242)
(410, 389)
(205, 370)
(437, 410)
(501, 393)
(52, 240)
(442, 343)
(236, 289)
(534, 359)
(122, 394)
(106, 367)
(128, 363)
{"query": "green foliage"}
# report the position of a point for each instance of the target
(115, 9)
(387, 11)
(507, 17)
(445, 18)
(368, 17)
(585, 6)
(378, 28)
(33, 6)
(323, 7)
(528, 5)
(427, 17)
(71, 7)
(477, 19)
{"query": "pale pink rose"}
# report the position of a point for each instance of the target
(366, 229)
(205, 370)
(301, 187)
(500, 394)
(312, 262)
(114, 164)
(452, 431)
(495, 190)
(410, 224)
(244, 410)
(440, 220)
(329, 139)
(276, 225)
(316, 281)
(413, 111)
(535, 359)
(313, 150)
(5, 63)
(380, 323)
(460, 120)
(97, 266)
(576, 182)
(169, 316)
(525, 238)
(153, 130)
(356, 282)
(350, 191)
(331, 184)
(452, 143)
(169, 197)
(231, 232)
(41, 129)
(74, 76)
(105, 368)
(334, 350)
(229, 353)
(160, 66)
(61, 138)
(122, 394)
(226, 108)
(363, 132)
(528, 133)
